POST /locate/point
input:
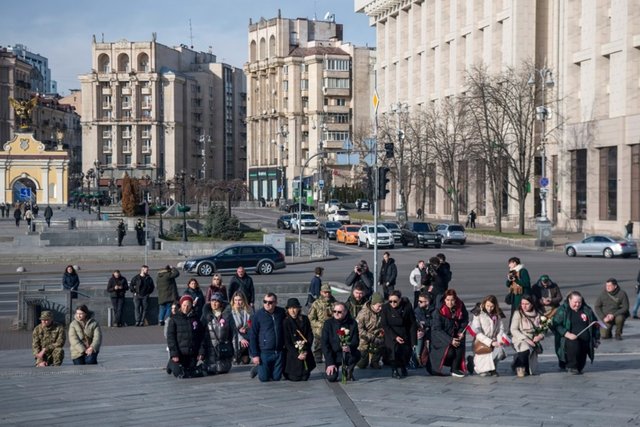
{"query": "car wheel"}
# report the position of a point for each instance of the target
(416, 243)
(404, 242)
(265, 268)
(463, 242)
(392, 246)
(608, 253)
(438, 246)
(369, 245)
(571, 251)
(205, 269)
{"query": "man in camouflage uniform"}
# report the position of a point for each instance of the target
(356, 300)
(370, 332)
(48, 340)
(320, 311)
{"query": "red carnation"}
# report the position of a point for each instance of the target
(341, 332)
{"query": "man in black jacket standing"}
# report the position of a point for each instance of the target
(340, 341)
(241, 281)
(267, 339)
(362, 275)
(141, 286)
(388, 275)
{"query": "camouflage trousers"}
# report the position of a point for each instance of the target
(53, 357)
(369, 356)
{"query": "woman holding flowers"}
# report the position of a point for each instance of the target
(489, 331)
(577, 333)
(298, 339)
(399, 325)
(527, 330)
(241, 312)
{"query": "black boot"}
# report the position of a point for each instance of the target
(395, 373)
(403, 372)
(350, 376)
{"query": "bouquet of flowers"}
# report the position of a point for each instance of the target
(543, 328)
(300, 347)
(345, 338)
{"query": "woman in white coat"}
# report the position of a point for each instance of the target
(526, 335)
(489, 329)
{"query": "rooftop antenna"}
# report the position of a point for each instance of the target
(190, 33)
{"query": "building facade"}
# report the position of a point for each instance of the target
(307, 90)
(41, 81)
(592, 142)
(153, 110)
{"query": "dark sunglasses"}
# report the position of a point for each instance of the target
(338, 311)
(264, 301)
(394, 301)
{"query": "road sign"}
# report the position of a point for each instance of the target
(25, 193)
(321, 184)
(544, 181)
(375, 100)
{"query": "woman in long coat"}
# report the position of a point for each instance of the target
(448, 325)
(298, 339)
(71, 280)
(489, 331)
(399, 325)
(525, 325)
(572, 318)
(220, 330)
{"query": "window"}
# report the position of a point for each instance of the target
(341, 102)
(609, 183)
(579, 184)
(108, 159)
(285, 85)
(337, 64)
(146, 159)
(338, 118)
(337, 136)
(334, 83)
(127, 159)
(304, 84)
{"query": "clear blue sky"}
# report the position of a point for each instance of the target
(61, 30)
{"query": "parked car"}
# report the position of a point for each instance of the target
(452, 233)
(327, 229)
(602, 245)
(394, 229)
(340, 215)
(366, 236)
(284, 222)
(420, 234)
(363, 205)
(348, 234)
(308, 223)
(263, 259)
(332, 205)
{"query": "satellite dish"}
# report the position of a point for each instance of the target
(329, 16)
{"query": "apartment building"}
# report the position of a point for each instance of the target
(593, 134)
(153, 110)
(307, 90)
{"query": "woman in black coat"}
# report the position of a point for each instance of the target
(298, 339)
(399, 325)
(185, 340)
(447, 336)
(71, 280)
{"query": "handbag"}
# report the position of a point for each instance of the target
(509, 299)
(224, 349)
(480, 348)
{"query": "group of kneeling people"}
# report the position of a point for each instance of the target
(280, 342)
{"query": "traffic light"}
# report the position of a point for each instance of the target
(382, 182)
(388, 149)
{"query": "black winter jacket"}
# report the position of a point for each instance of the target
(185, 335)
(331, 343)
(141, 286)
(244, 284)
(120, 281)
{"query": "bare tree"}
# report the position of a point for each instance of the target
(453, 146)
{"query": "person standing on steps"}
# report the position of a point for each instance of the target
(121, 229)
(142, 286)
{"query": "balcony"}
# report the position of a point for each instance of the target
(126, 91)
(304, 145)
(146, 149)
(126, 148)
(145, 91)
(106, 91)
(146, 134)
(126, 105)
(146, 105)
(126, 134)
(106, 148)
(334, 145)
(106, 134)
(106, 106)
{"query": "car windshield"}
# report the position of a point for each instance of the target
(391, 226)
(456, 228)
(381, 229)
(333, 224)
(421, 226)
(352, 229)
(342, 213)
(308, 216)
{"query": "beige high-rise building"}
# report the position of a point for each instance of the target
(307, 89)
(153, 110)
(424, 49)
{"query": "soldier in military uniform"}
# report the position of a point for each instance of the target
(48, 340)
(320, 311)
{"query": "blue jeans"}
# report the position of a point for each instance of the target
(634, 312)
(91, 359)
(164, 311)
(270, 368)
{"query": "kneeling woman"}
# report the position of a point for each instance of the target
(298, 339)
(221, 330)
(489, 331)
(447, 336)
(525, 327)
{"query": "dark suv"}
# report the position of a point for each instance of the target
(263, 259)
(420, 234)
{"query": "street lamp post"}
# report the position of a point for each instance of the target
(542, 114)
(399, 109)
(319, 153)
(96, 163)
(284, 132)
(159, 183)
(180, 180)
(89, 176)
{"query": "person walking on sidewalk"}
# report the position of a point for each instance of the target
(636, 306)
(48, 213)
(628, 228)
(17, 215)
(3, 207)
(142, 286)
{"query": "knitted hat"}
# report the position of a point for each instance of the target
(376, 299)
(186, 298)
